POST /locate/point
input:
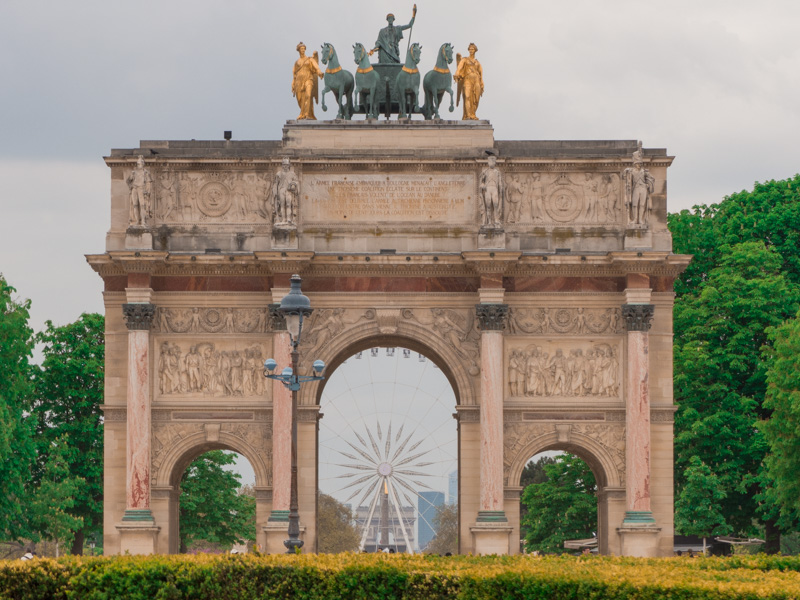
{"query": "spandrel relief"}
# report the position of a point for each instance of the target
(583, 199)
(212, 320)
(566, 370)
(575, 321)
(190, 197)
(210, 369)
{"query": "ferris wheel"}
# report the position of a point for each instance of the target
(388, 445)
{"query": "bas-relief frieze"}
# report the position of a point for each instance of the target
(518, 435)
(202, 368)
(166, 435)
(565, 369)
(587, 199)
(577, 321)
(213, 320)
(213, 197)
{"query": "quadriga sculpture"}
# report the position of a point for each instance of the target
(437, 82)
(367, 79)
(338, 81)
(407, 83)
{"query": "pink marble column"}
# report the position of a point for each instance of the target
(281, 431)
(492, 319)
(138, 318)
(637, 406)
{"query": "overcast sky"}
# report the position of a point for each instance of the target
(715, 82)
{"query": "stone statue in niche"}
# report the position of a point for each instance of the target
(285, 192)
(590, 196)
(492, 193)
(533, 372)
(140, 184)
(167, 195)
(639, 185)
(607, 191)
(536, 197)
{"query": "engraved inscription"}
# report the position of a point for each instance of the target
(365, 198)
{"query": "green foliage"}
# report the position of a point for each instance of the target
(211, 508)
(68, 392)
(532, 473)
(782, 430)
(382, 577)
(55, 498)
(336, 526)
(16, 445)
(697, 507)
(445, 523)
(564, 507)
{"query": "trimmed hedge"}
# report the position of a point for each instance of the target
(384, 576)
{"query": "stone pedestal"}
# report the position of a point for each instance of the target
(138, 537)
(284, 237)
(276, 533)
(639, 540)
(491, 538)
(491, 238)
(637, 238)
(138, 238)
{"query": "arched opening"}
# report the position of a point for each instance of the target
(590, 450)
(558, 504)
(236, 469)
(388, 451)
(216, 507)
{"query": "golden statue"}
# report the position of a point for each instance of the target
(304, 82)
(469, 76)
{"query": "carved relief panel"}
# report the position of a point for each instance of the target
(562, 368)
(585, 199)
(212, 320)
(577, 321)
(218, 368)
(212, 197)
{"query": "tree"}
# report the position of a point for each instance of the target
(782, 429)
(445, 523)
(68, 393)
(562, 508)
(211, 509)
(16, 444)
(336, 527)
(55, 497)
(697, 509)
(532, 473)
(720, 375)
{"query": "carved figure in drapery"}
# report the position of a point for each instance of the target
(325, 324)
(165, 437)
(518, 435)
(285, 192)
(469, 76)
(590, 196)
(140, 184)
(516, 191)
(388, 42)
(610, 437)
(305, 86)
(492, 192)
(609, 198)
(168, 195)
(639, 185)
(459, 332)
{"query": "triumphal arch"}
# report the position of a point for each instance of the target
(537, 275)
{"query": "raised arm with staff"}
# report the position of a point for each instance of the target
(388, 42)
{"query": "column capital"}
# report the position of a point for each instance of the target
(278, 320)
(638, 317)
(138, 315)
(492, 317)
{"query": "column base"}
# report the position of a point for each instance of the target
(638, 517)
(492, 516)
(279, 516)
(491, 537)
(138, 536)
(138, 515)
(639, 540)
(277, 533)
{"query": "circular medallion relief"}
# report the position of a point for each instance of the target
(563, 205)
(215, 199)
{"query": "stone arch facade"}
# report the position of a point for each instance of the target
(551, 320)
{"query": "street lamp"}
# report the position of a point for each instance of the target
(295, 307)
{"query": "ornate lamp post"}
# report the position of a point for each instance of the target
(295, 307)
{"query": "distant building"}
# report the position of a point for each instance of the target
(427, 503)
(396, 540)
(452, 487)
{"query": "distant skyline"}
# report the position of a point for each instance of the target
(714, 82)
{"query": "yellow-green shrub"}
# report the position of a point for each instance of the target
(382, 576)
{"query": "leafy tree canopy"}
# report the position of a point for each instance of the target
(564, 507)
(212, 510)
(336, 526)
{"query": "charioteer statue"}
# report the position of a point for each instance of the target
(388, 42)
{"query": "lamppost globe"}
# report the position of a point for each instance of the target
(270, 365)
(318, 366)
(295, 306)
